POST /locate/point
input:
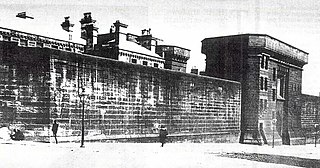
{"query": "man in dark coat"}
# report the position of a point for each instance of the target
(55, 130)
(163, 135)
(17, 135)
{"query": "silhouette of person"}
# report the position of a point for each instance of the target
(17, 135)
(163, 135)
(55, 130)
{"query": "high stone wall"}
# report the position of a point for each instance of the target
(24, 90)
(125, 100)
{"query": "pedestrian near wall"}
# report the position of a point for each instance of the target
(17, 135)
(163, 135)
(55, 130)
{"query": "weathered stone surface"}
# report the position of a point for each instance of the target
(261, 63)
(122, 99)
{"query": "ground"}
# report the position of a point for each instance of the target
(16, 154)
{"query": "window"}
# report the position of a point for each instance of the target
(31, 43)
(267, 62)
(134, 61)
(274, 74)
(144, 63)
(264, 63)
(156, 65)
(261, 83)
(274, 94)
(261, 104)
(54, 46)
(23, 43)
(15, 39)
(281, 87)
(265, 84)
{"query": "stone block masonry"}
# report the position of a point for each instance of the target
(123, 100)
(270, 72)
(310, 107)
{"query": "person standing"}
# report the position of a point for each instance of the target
(163, 135)
(55, 130)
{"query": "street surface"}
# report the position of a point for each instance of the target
(21, 154)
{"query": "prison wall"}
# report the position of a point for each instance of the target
(24, 90)
(310, 111)
(120, 101)
(125, 100)
(310, 117)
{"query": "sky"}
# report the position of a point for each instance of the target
(183, 23)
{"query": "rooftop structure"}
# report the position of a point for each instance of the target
(128, 47)
(175, 57)
(32, 40)
(140, 49)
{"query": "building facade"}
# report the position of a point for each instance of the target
(128, 47)
(140, 49)
(270, 72)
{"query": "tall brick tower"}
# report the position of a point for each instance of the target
(270, 72)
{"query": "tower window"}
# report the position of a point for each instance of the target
(265, 84)
(274, 74)
(267, 62)
(264, 62)
(281, 87)
(265, 104)
(134, 61)
(274, 94)
(261, 83)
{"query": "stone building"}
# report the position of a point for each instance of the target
(140, 49)
(270, 73)
(128, 47)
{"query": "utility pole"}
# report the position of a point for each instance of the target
(82, 94)
(274, 121)
(315, 134)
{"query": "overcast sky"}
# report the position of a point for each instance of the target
(182, 22)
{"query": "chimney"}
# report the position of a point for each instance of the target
(89, 31)
(147, 41)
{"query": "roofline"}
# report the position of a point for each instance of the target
(42, 36)
(168, 70)
(255, 34)
(143, 54)
(173, 46)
